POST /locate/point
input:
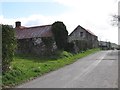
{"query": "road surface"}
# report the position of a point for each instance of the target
(99, 70)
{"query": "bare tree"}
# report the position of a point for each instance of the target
(116, 20)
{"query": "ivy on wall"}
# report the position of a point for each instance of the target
(60, 34)
(8, 46)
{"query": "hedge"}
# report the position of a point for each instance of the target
(8, 46)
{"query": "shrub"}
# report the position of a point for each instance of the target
(8, 46)
(65, 54)
(60, 34)
(70, 47)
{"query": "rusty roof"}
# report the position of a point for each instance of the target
(32, 32)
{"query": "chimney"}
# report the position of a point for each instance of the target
(17, 24)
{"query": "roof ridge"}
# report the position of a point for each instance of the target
(24, 27)
(39, 26)
(84, 29)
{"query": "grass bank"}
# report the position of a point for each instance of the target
(24, 68)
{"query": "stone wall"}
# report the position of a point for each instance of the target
(37, 46)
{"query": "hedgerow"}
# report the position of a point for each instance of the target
(8, 46)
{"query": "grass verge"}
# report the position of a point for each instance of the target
(24, 68)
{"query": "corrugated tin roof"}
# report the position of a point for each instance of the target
(31, 32)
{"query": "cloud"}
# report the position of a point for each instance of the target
(25, 0)
(31, 20)
(94, 15)
(91, 14)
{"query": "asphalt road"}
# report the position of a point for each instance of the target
(99, 70)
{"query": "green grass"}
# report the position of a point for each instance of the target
(25, 67)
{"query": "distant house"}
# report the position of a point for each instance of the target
(85, 38)
(35, 40)
(105, 45)
(114, 46)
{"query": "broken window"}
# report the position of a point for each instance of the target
(81, 34)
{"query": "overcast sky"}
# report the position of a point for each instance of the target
(95, 15)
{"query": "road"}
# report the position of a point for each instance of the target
(99, 70)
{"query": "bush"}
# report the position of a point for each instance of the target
(10, 76)
(60, 34)
(65, 54)
(70, 47)
(8, 46)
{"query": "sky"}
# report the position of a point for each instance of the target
(95, 15)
